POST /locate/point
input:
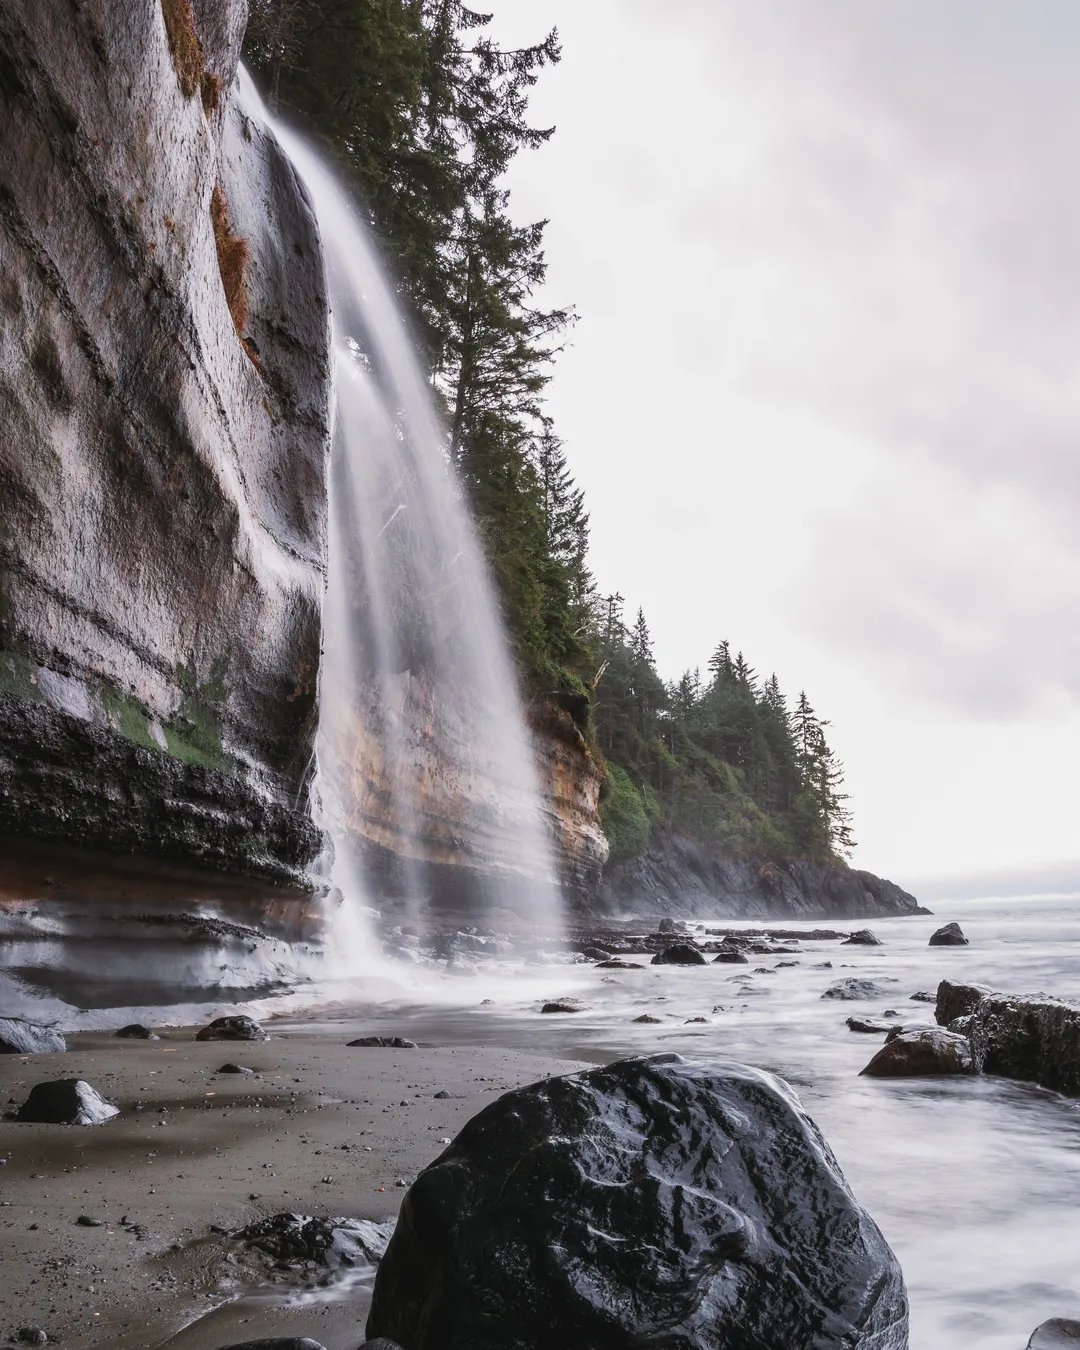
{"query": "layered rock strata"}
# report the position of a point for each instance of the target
(164, 405)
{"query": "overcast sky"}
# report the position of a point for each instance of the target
(824, 396)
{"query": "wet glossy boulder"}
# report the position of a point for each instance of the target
(27, 1038)
(564, 1005)
(135, 1031)
(331, 1243)
(957, 1000)
(730, 956)
(951, 935)
(679, 954)
(1059, 1333)
(923, 1052)
(862, 937)
(236, 1028)
(651, 1202)
(66, 1101)
(1034, 1039)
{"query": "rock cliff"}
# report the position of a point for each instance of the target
(676, 876)
(164, 405)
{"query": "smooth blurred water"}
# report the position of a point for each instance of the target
(975, 1182)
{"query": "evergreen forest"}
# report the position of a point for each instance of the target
(423, 112)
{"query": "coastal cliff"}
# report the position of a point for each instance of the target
(164, 398)
(676, 876)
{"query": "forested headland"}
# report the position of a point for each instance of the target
(423, 111)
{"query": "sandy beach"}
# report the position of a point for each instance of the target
(318, 1128)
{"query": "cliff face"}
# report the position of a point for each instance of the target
(678, 877)
(162, 483)
(570, 782)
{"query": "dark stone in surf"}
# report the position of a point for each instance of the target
(957, 1000)
(565, 1005)
(925, 1052)
(619, 965)
(27, 1038)
(730, 956)
(648, 1017)
(235, 1028)
(1060, 1333)
(862, 937)
(951, 935)
(135, 1031)
(561, 1216)
(384, 1042)
(66, 1101)
(851, 989)
(679, 954)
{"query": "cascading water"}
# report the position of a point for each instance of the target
(426, 773)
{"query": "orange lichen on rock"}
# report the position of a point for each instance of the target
(233, 253)
(184, 44)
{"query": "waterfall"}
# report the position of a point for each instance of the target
(426, 776)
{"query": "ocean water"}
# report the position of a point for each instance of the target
(975, 1182)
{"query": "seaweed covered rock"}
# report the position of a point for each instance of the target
(651, 1202)
(27, 1038)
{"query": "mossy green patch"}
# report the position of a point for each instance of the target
(194, 734)
(17, 676)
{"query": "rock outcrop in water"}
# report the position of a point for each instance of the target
(1035, 1039)
(649, 1202)
(674, 875)
(163, 453)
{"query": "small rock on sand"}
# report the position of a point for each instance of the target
(65, 1101)
(236, 1028)
(234, 1068)
(384, 1042)
(27, 1038)
(135, 1031)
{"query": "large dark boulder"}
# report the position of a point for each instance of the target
(651, 1202)
(957, 1000)
(1059, 1333)
(1034, 1039)
(679, 954)
(239, 1027)
(730, 956)
(862, 937)
(951, 935)
(67, 1101)
(27, 1038)
(922, 1052)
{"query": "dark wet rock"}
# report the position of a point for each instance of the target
(690, 1020)
(903, 1028)
(924, 1052)
(667, 926)
(279, 1343)
(617, 964)
(730, 956)
(862, 937)
(27, 1038)
(595, 954)
(957, 1000)
(441, 1095)
(1059, 1333)
(238, 1027)
(648, 1017)
(32, 1336)
(565, 1005)
(870, 1025)
(87, 1221)
(135, 1031)
(1032, 1039)
(649, 1202)
(385, 1042)
(951, 935)
(679, 954)
(234, 1068)
(823, 965)
(66, 1101)
(380, 1343)
(786, 965)
(852, 988)
(331, 1243)
(923, 996)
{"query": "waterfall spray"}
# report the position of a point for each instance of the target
(426, 771)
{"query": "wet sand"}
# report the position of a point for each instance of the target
(206, 1149)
